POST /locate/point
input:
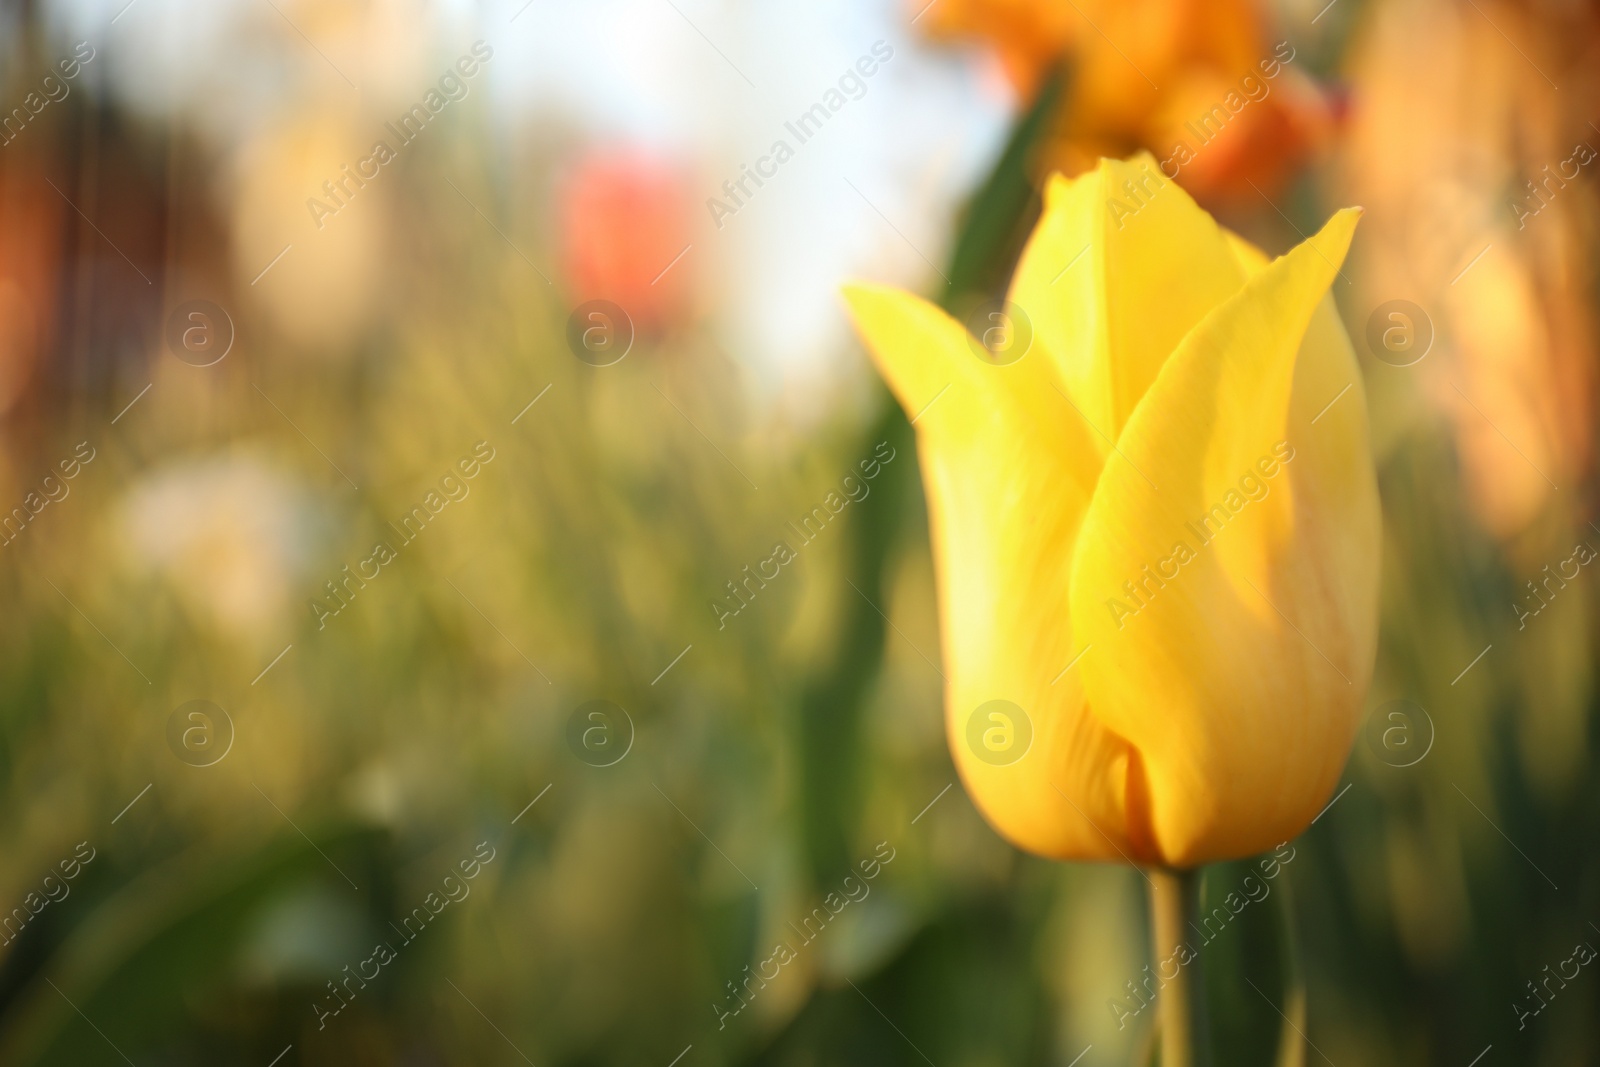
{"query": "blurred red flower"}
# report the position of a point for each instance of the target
(625, 220)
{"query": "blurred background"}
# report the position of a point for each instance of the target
(379, 527)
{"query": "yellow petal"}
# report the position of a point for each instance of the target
(1236, 667)
(1008, 472)
(1250, 258)
(1121, 267)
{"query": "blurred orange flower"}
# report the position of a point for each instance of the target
(30, 218)
(1196, 82)
(1028, 36)
(1462, 158)
(625, 221)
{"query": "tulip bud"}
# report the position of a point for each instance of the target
(1156, 533)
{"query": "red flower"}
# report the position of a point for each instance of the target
(625, 223)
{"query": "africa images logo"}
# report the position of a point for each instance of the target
(737, 192)
(1254, 485)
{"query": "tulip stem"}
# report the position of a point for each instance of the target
(1174, 904)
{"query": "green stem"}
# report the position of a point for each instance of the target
(1291, 1036)
(1174, 903)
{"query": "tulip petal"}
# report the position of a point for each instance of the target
(1235, 666)
(1121, 267)
(1008, 474)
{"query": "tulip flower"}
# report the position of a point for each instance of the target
(1204, 84)
(1171, 493)
(1155, 529)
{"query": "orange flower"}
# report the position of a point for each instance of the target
(1199, 84)
(1029, 36)
(1484, 213)
(30, 217)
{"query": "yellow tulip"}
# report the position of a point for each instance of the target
(1172, 493)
